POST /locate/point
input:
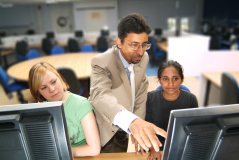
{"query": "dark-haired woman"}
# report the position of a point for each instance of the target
(170, 97)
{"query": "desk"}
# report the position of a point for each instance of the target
(62, 44)
(163, 45)
(207, 80)
(4, 54)
(118, 156)
(192, 83)
(79, 62)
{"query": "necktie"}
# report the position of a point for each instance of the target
(128, 74)
(132, 82)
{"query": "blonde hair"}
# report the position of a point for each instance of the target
(36, 75)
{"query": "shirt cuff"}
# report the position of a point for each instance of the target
(123, 119)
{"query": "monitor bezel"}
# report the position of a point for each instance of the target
(54, 108)
(175, 115)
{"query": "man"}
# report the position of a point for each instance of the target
(119, 95)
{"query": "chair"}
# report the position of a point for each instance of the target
(15, 86)
(87, 48)
(102, 44)
(157, 55)
(214, 43)
(22, 48)
(30, 55)
(73, 45)
(30, 32)
(57, 50)
(71, 79)
(229, 89)
(181, 87)
(47, 45)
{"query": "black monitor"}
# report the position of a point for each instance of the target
(210, 133)
(50, 35)
(105, 33)
(158, 31)
(79, 34)
(34, 131)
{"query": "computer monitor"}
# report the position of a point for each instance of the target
(158, 31)
(210, 133)
(50, 35)
(79, 34)
(105, 33)
(34, 131)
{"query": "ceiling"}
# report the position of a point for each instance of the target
(38, 1)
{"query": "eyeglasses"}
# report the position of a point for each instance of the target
(135, 46)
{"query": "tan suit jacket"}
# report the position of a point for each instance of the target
(110, 90)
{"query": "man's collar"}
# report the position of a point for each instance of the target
(125, 63)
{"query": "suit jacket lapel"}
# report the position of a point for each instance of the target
(137, 72)
(123, 74)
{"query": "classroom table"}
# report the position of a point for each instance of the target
(62, 44)
(208, 79)
(163, 45)
(4, 54)
(116, 156)
(79, 62)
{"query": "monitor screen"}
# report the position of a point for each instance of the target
(158, 31)
(105, 33)
(210, 133)
(79, 34)
(50, 34)
(34, 131)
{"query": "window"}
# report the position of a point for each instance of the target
(185, 23)
(172, 24)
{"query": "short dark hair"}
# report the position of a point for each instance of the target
(133, 23)
(170, 63)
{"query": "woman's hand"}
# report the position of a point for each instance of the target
(136, 144)
(153, 155)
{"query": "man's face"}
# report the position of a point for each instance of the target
(132, 39)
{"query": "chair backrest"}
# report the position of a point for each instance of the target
(87, 48)
(57, 50)
(71, 79)
(33, 54)
(151, 50)
(73, 45)
(214, 42)
(3, 79)
(47, 45)
(22, 48)
(181, 87)
(229, 89)
(102, 44)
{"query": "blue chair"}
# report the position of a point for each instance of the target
(30, 55)
(57, 50)
(72, 80)
(156, 54)
(87, 48)
(229, 89)
(15, 86)
(181, 87)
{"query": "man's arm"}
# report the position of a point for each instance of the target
(101, 95)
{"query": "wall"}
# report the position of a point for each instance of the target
(156, 12)
(18, 19)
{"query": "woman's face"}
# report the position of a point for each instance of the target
(170, 80)
(51, 87)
